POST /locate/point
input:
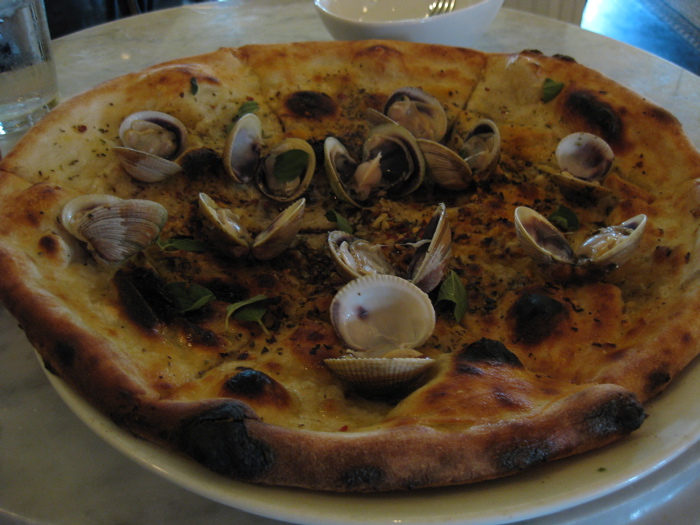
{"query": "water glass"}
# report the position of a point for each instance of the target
(28, 88)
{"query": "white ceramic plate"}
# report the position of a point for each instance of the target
(672, 427)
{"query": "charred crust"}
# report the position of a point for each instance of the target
(65, 353)
(255, 385)
(486, 351)
(219, 440)
(535, 316)
(599, 115)
(619, 416)
(201, 163)
(365, 477)
(49, 245)
(310, 105)
(524, 455)
(656, 380)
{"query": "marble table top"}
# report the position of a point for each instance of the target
(54, 470)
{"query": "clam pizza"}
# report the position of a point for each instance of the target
(362, 266)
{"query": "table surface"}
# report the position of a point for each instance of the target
(54, 470)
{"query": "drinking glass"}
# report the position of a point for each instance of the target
(28, 87)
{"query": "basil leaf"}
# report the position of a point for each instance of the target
(565, 219)
(194, 85)
(551, 89)
(341, 222)
(249, 106)
(189, 297)
(185, 244)
(248, 310)
(290, 165)
(452, 290)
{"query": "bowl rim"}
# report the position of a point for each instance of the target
(398, 21)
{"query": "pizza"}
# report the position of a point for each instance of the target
(358, 266)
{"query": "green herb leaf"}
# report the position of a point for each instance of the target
(249, 106)
(189, 296)
(565, 219)
(290, 165)
(182, 243)
(251, 309)
(340, 221)
(194, 85)
(453, 290)
(551, 89)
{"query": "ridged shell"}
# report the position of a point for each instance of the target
(445, 167)
(114, 229)
(144, 166)
(378, 314)
(380, 376)
(585, 156)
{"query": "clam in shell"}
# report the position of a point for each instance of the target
(114, 229)
(151, 140)
(584, 160)
(354, 257)
(381, 318)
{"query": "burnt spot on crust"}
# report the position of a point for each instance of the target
(535, 316)
(310, 105)
(219, 440)
(65, 353)
(49, 245)
(486, 351)
(201, 163)
(365, 477)
(599, 115)
(524, 455)
(255, 385)
(657, 380)
(620, 415)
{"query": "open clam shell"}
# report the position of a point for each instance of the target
(414, 109)
(540, 239)
(380, 376)
(277, 237)
(223, 228)
(378, 314)
(151, 140)
(613, 245)
(354, 257)
(288, 170)
(242, 151)
(445, 167)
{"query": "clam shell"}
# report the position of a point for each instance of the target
(429, 264)
(445, 166)
(418, 111)
(286, 191)
(380, 376)
(614, 245)
(165, 121)
(354, 257)
(585, 156)
(277, 237)
(540, 239)
(114, 229)
(242, 151)
(377, 314)
(144, 166)
(223, 228)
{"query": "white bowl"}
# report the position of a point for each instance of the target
(407, 20)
